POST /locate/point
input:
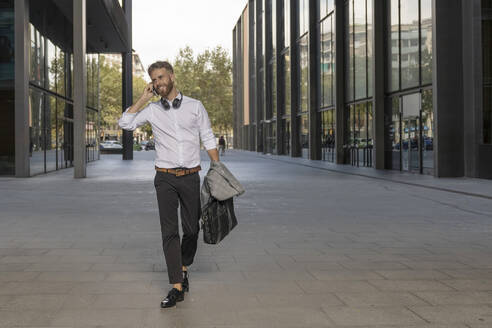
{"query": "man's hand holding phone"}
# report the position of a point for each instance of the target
(147, 94)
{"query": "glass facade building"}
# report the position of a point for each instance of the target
(43, 140)
(368, 83)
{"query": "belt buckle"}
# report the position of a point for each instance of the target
(180, 172)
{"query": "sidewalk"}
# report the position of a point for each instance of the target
(313, 248)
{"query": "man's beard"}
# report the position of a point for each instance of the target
(168, 87)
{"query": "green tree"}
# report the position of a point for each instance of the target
(208, 78)
(110, 92)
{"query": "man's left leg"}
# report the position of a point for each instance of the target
(189, 198)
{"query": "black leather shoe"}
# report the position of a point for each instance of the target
(173, 297)
(186, 283)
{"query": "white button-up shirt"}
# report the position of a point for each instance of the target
(177, 132)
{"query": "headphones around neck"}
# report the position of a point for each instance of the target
(176, 102)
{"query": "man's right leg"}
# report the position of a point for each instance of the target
(167, 199)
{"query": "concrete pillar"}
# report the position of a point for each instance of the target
(448, 88)
(127, 72)
(294, 79)
(314, 81)
(378, 76)
(22, 46)
(80, 87)
(341, 125)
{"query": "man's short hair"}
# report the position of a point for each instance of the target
(160, 64)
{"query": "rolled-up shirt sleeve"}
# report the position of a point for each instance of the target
(206, 133)
(131, 121)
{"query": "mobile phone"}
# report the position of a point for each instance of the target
(154, 91)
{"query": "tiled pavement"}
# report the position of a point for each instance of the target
(313, 248)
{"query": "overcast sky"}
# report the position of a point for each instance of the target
(162, 27)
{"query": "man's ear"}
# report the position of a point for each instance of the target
(172, 77)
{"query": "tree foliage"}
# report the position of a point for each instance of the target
(208, 78)
(111, 92)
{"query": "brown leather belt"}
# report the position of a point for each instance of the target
(179, 171)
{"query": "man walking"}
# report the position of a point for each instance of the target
(178, 123)
(222, 145)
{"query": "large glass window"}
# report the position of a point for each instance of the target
(410, 44)
(50, 108)
(357, 47)
(360, 133)
(327, 62)
(410, 129)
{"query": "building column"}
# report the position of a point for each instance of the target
(80, 87)
(22, 45)
(294, 80)
(127, 90)
(341, 124)
(314, 81)
(448, 88)
(378, 69)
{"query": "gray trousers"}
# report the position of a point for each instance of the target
(185, 191)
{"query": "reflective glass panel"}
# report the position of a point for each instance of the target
(304, 74)
(286, 23)
(303, 16)
(274, 28)
(287, 99)
(37, 58)
(409, 43)
(328, 136)
(52, 66)
(394, 46)
(36, 132)
(50, 131)
(427, 143)
(327, 62)
(60, 72)
(395, 134)
(369, 47)
(349, 46)
(274, 89)
(287, 138)
(426, 40)
(304, 135)
(360, 49)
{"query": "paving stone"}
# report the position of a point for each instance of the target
(345, 274)
(410, 285)
(474, 314)
(17, 276)
(413, 274)
(361, 299)
(317, 287)
(449, 298)
(367, 316)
